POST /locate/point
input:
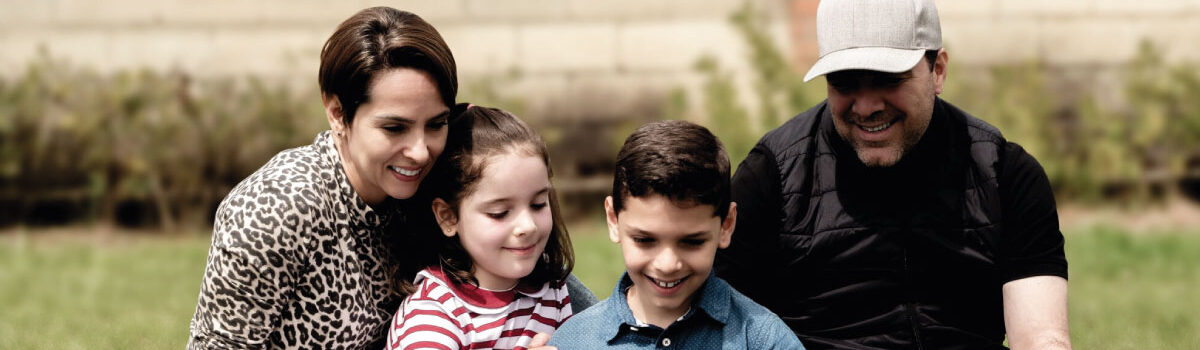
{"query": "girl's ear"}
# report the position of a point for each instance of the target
(446, 217)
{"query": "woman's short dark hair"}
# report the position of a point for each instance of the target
(377, 39)
(676, 159)
(477, 134)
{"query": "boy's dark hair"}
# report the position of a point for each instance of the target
(476, 134)
(676, 159)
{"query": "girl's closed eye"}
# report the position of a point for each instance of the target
(498, 214)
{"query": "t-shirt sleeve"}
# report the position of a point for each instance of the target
(1033, 243)
(248, 274)
(423, 322)
(563, 298)
(756, 190)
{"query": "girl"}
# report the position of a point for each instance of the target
(499, 278)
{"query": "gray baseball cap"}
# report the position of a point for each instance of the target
(880, 35)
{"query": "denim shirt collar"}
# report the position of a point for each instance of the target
(712, 303)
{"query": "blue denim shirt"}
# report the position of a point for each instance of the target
(720, 318)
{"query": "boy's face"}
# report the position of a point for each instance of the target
(669, 249)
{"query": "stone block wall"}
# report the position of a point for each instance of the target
(558, 47)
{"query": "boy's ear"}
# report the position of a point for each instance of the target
(728, 225)
(611, 218)
(446, 217)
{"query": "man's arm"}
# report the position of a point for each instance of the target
(1035, 313)
(1035, 266)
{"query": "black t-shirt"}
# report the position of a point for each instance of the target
(1035, 247)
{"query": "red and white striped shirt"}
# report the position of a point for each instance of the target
(445, 315)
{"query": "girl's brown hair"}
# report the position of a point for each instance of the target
(477, 134)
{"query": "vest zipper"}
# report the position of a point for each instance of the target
(910, 306)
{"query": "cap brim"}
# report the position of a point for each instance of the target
(883, 59)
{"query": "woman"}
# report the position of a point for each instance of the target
(311, 250)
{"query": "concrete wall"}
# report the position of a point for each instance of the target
(617, 51)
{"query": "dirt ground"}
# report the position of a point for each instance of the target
(1171, 216)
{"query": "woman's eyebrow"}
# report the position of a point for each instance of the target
(393, 118)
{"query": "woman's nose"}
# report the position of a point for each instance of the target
(417, 150)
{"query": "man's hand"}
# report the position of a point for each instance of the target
(1035, 313)
(539, 342)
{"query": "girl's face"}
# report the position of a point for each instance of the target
(395, 137)
(505, 222)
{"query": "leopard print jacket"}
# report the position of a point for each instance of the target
(298, 261)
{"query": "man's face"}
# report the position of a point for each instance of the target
(669, 248)
(883, 115)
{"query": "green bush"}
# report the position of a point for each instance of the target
(72, 135)
(779, 91)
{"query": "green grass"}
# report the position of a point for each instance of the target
(1134, 292)
(74, 292)
(70, 293)
(598, 261)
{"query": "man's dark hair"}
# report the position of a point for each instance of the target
(931, 57)
(676, 159)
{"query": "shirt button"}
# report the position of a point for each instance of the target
(666, 342)
(633, 328)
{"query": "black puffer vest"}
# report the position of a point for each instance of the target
(899, 258)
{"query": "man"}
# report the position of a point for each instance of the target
(887, 218)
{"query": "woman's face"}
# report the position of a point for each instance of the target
(395, 137)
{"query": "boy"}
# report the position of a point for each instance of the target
(670, 211)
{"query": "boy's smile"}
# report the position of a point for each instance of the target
(669, 248)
